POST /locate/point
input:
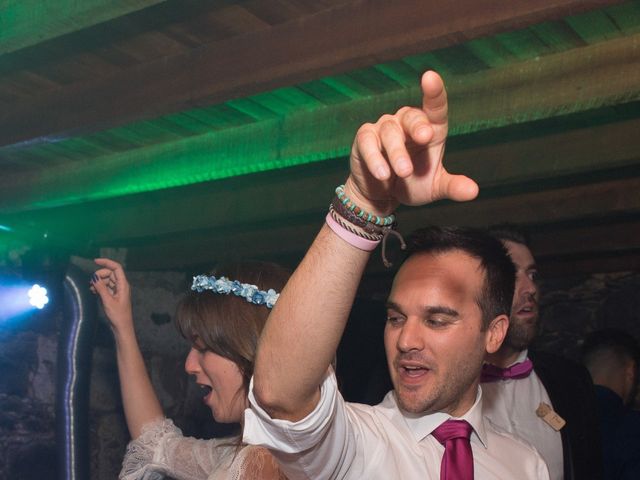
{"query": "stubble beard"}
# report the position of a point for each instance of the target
(521, 333)
(444, 396)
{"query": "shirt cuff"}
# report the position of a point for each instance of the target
(287, 436)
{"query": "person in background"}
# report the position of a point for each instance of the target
(612, 357)
(222, 319)
(447, 308)
(545, 399)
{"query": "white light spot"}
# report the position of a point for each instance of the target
(38, 296)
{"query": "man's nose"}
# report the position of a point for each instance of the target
(410, 337)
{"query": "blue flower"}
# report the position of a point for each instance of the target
(236, 287)
(271, 298)
(200, 283)
(222, 285)
(257, 298)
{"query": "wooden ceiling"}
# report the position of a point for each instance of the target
(188, 132)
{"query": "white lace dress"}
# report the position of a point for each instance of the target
(162, 451)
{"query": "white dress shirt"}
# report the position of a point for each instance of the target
(341, 440)
(512, 404)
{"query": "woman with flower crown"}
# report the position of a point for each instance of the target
(222, 318)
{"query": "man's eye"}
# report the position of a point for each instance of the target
(533, 275)
(436, 322)
(394, 319)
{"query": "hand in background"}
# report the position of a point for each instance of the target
(110, 283)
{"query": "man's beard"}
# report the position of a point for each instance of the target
(521, 332)
(520, 336)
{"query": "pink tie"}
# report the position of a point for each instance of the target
(457, 462)
(491, 373)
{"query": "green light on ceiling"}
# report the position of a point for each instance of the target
(303, 137)
(273, 130)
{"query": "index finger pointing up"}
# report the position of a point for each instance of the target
(434, 98)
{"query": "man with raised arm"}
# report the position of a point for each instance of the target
(448, 307)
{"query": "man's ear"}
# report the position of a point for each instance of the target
(496, 332)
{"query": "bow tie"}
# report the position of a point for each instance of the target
(491, 373)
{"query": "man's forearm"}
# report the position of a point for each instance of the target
(302, 334)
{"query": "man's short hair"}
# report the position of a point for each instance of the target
(496, 295)
(617, 343)
(509, 232)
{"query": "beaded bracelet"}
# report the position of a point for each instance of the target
(351, 217)
(359, 228)
(368, 217)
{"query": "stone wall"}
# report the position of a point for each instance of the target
(571, 307)
(27, 385)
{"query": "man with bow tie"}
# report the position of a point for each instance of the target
(545, 399)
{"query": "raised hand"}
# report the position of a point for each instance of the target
(398, 159)
(110, 283)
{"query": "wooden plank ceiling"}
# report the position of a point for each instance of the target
(188, 132)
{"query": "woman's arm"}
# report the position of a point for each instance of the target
(141, 405)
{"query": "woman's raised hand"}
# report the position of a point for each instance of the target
(110, 283)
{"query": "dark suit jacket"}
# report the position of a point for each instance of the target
(573, 397)
(620, 429)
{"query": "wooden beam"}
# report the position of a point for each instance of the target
(595, 244)
(289, 240)
(229, 205)
(597, 200)
(563, 241)
(553, 156)
(356, 34)
(572, 81)
(581, 79)
(564, 267)
(24, 23)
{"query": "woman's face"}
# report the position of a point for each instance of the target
(221, 380)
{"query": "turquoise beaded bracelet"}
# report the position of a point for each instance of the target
(366, 216)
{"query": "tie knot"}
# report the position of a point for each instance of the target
(452, 429)
(491, 373)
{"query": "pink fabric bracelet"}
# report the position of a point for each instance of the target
(350, 238)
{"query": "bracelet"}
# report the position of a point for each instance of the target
(359, 228)
(371, 228)
(355, 229)
(350, 237)
(366, 216)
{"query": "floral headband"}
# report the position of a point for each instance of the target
(224, 286)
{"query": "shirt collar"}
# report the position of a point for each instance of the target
(421, 426)
(521, 358)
